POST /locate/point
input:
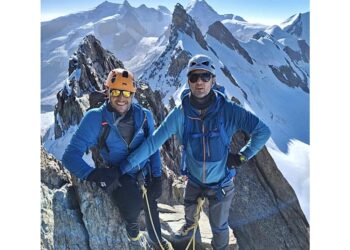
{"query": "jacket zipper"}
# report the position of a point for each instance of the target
(204, 153)
(203, 142)
(144, 120)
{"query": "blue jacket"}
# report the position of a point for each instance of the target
(87, 136)
(201, 159)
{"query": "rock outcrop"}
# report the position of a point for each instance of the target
(221, 33)
(88, 70)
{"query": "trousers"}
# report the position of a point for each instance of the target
(218, 211)
(129, 201)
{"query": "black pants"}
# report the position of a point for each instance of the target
(129, 201)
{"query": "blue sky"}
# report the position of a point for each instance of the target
(261, 11)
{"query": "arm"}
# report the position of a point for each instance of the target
(156, 166)
(168, 127)
(85, 136)
(258, 131)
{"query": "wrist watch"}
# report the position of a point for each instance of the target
(242, 158)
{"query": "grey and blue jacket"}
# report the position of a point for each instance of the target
(205, 159)
(87, 136)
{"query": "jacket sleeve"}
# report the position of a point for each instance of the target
(168, 127)
(259, 133)
(156, 166)
(85, 136)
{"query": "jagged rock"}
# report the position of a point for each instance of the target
(300, 55)
(178, 63)
(184, 22)
(77, 215)
(288, 76)
(53, 175)
(305, 50)
(174, 58)
(265, 212)
(221, 33)
(88, 69)
(294, 55)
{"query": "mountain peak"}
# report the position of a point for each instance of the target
(223, 35)
(200, 5)
(126, 3)
(183, 22)
(298, 25)
(163, 9)
(105, 4)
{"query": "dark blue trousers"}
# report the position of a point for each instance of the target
(129, 201)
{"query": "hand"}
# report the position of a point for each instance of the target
(235, 160)
(154, 188)
(106, 178)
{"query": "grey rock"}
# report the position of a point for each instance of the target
(184, 22)
(222, 34)
(77, 215)
(88, 69)
(287, 75)
(265, 212)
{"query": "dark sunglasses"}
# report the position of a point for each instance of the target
(117, 92)
(206, 76)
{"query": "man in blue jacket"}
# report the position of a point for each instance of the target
(128, 123)
(204, 123)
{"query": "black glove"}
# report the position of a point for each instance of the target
(154, 189)
(235, 160)
(106, 178)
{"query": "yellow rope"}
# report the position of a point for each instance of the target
(200, 202)
(144, 194)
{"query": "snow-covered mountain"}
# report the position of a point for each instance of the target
(264, 68)
(268, 74)
(204, 15)
(128, 32)
(298, 25)
(262, 206)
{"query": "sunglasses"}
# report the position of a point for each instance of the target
(206, 76)
(117, 92)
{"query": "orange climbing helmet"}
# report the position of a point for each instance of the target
(121, 79)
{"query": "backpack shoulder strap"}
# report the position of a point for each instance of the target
(187, 127)
(101, 142)
(145, 125)
(221, 125)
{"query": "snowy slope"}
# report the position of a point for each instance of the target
(243, 30)
(284, 108)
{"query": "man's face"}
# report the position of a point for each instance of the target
(200, 82)
(119, 101)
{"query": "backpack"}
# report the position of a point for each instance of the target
(219, 132)
(101, 141)
(102, 138)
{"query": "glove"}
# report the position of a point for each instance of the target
(154, 188)
(106, 178)
(235, 160)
